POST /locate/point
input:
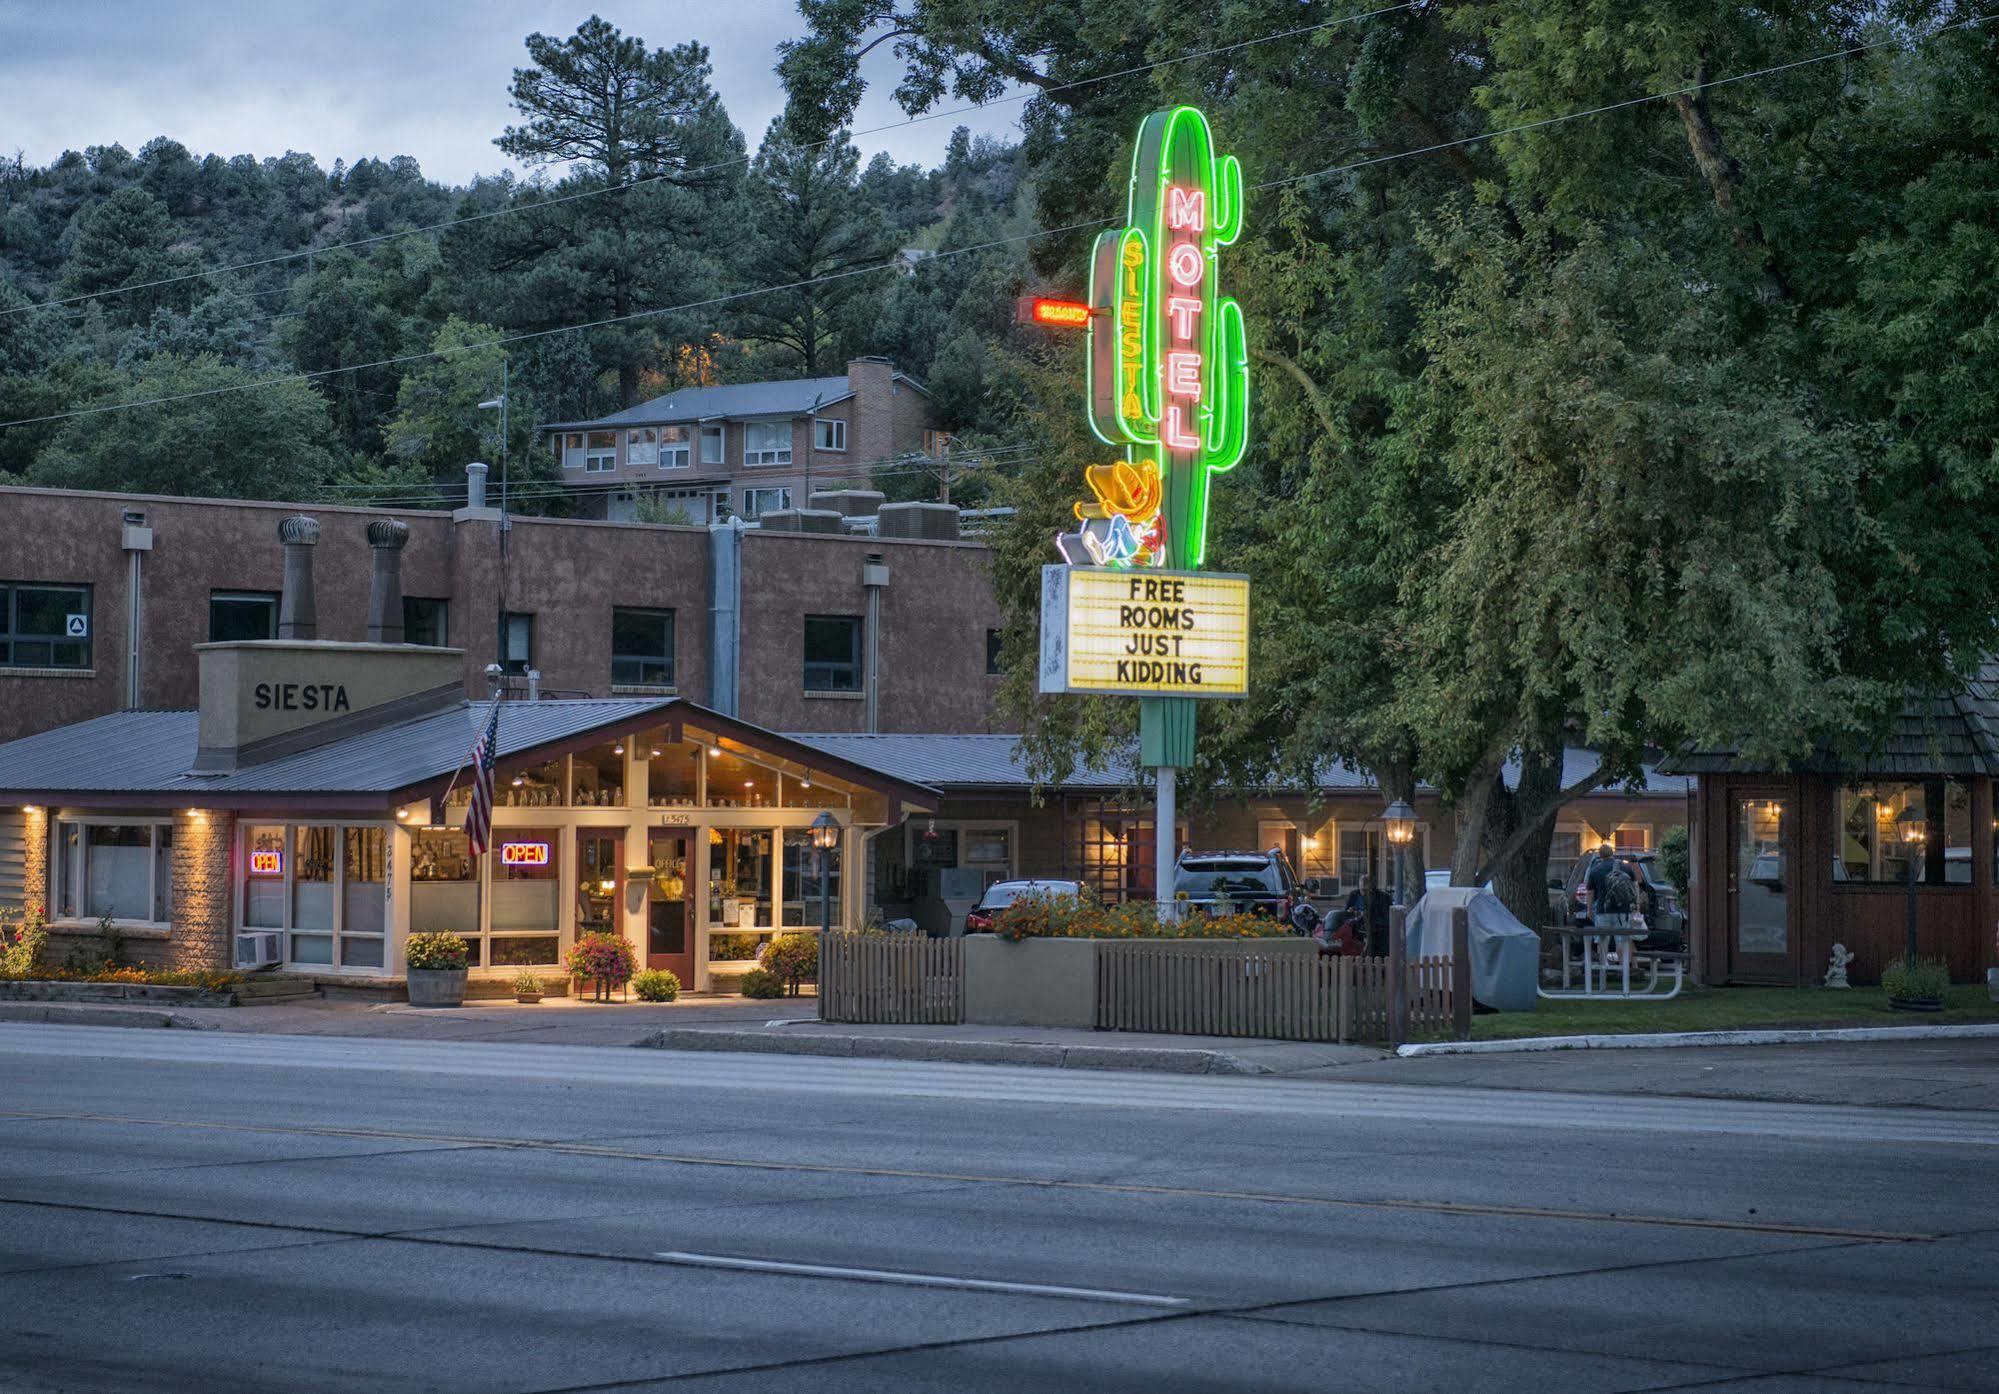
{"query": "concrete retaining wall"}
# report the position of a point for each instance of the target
(1037, 982)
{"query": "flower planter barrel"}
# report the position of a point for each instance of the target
(437, 987)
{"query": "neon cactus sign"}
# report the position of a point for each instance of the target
(1168, 364)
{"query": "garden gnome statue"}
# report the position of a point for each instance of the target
(1835, 976)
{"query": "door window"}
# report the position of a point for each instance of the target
(1762, 880)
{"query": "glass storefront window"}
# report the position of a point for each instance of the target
(444, 886)
(802, 885)
(527, 887)
(600, 875)
(1871, 832)
(363, 902)
(670, 774)
(264, 877)
(734, 782)
(598, 778)
(312, 895)
(539, 787)
(739, 878)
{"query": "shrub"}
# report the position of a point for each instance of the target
(22, 939)
(759, 982)
(1908, 981)
(732, 947)
(435, 950)
(655, 985)
(1673, 857)
(792, 957)
(1066, 917)
(526, 983)
(603, 957)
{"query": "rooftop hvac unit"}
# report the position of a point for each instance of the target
(258, 950)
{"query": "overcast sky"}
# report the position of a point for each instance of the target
(348, 78)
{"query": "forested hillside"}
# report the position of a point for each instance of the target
(374, 302)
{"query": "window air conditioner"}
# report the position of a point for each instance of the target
(258, 950)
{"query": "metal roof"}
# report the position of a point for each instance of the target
(996, 762)
(1957, 733)
(152, 752)
(133, 754)
(794, 397)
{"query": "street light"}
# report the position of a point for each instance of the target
(1913, 828)
(825, 837)
(1400, 820)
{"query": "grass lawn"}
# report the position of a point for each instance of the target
(1733, 1009)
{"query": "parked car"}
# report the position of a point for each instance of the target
(1658, 901)
(1000, 894)
(1257, 883)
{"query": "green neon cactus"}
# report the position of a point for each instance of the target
(1150, 344)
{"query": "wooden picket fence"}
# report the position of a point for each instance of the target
(1210, 989)
(1177, 986)
(894, 979)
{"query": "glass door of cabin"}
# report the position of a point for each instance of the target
(1762, 866)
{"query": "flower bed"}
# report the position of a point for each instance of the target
(1065, 917)
(214, 992)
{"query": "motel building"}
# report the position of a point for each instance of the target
(309, 815)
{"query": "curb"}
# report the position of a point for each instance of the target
(1674, 1040)
(79, 1014)
(1061, 1057)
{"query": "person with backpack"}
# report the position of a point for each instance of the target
(1613, 894)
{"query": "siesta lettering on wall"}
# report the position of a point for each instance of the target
(300, 697)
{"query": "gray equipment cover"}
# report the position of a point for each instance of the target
(1505, 954)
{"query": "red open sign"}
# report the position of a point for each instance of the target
(267, 863)
(523, 854)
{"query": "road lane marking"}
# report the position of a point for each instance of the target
(920, 1280)
(587, 1149)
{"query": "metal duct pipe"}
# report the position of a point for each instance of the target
(298, 615)
(386, 537)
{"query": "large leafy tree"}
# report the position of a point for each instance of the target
(439, 425)
(1567, 430)
(160, 432)
(641, 131)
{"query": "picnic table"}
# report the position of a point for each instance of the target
(1615, 934)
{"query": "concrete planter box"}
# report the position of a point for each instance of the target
(1053, 982)
(25, 991)
(1036, 982)
(437, 987)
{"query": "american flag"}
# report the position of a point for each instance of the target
(479, 817)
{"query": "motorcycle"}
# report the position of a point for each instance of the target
(1346, 936)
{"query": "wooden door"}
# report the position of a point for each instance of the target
(670, 906)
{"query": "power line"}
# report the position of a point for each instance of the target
(1090, 225)
(717, 166)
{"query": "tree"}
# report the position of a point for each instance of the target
(439, 426)
(231, 435)
(808, 235)
(127, 244)
(644, 125)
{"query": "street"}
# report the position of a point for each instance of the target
(216, 1212)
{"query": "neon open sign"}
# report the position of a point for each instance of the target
(267, 863)
(523, 854)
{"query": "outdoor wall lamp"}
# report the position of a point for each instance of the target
(1400, 819)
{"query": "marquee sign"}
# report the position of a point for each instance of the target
(523, 854)
(1119, 632)
(1168, 364)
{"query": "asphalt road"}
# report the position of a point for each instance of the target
(226, 1213)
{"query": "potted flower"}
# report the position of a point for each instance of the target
(603, 959)
(527, 987)
(436, 963)
(1915, 984)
